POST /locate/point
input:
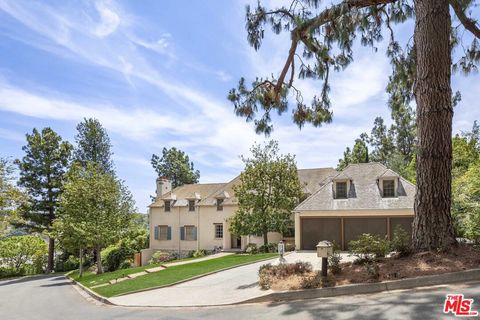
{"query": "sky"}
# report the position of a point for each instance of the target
(156, 74)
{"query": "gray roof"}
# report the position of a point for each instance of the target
(364, 192)
(312, 179)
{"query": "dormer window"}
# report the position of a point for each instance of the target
(388, 188)
(191, 205)
(341, 190)
(167, 206)
(219, 204)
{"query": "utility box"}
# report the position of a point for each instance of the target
(137, 260)
(324, 249)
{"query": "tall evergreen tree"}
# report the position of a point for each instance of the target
(176, 166)
(382, 142)
(93, 145)
(324, 36)
(42, 172)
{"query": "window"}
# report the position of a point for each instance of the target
(341, 190)
(167, 205)
(388, 188)
(162, 232)
(191, 205)
(218, 231)
(190, 233)
(219, 204)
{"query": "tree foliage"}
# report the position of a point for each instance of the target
(268, 191)
(96, 206)
(93, 145)
(175, 165)
(42, 172)
(22, 254)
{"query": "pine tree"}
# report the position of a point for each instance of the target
(321, 41)
(42, 172)
(176, 166)
(93, 145)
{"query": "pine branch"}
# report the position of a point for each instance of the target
(467, 22)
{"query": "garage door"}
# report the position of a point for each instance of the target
(404, 222)
(318, 229)
(355, 227)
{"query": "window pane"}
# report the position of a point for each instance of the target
(341, 190)
(388, 188)
(219, 231)
(162, 232)
(189, 233)
(167, 206)
(191, 205)
(219, 204)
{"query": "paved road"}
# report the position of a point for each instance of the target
(226, 287)
(54, 298)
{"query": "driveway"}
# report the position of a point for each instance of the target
(54, 298)
(225, 287)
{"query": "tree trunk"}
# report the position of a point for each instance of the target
(80, 267)
(265, 240)
(99, 260)
(432, 226)
(51, 254)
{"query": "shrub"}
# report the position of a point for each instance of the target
(317, 281)
(251, 248)
(270, 247)
(113, 256)
(268, 272)
(21, 255)
(373, 270)
(199, 253)
(161, 257)
(334, 263)
(401, 241)
(369, 246)
(289, 246)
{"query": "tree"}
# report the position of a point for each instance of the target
(42, 171)
(421, 72)
(268, 191)
(11, 197)
(97, 205)
(93, 145)
(382, 142)
(359, 154)
(176, 166)
(23, 254)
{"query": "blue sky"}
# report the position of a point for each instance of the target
(156, 74)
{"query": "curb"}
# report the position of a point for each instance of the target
(192, 278)
(364, 288)
(91, 293)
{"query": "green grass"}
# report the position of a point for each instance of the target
(91, 279)
(170, 275)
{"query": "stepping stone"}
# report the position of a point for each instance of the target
(155, 269)
(138, 274)
(118, 280)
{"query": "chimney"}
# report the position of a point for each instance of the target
(163, 186)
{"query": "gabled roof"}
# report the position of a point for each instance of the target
(365, 193)
(188, 192)
(389, 174)
(311, 179)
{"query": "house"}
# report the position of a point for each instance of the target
(339, 206)
(363, 198)
(195, 216)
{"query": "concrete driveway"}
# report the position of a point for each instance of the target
(225, 287)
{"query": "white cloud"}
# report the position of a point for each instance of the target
(109, 20)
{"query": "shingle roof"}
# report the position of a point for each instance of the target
(366, 193)
(310, 179)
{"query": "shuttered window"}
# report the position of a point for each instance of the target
(163, 233)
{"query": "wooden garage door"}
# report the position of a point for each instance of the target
(354, 227)
(318, 229)
(404, 222)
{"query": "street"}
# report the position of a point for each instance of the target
(54, 298)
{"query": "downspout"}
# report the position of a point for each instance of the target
(198, 228)
(179, 236)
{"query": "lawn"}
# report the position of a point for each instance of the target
(167, 276)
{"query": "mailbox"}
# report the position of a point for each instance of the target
(324, 249)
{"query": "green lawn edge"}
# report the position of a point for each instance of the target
(178, 274)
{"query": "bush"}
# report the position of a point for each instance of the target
(251, 248)
(368, 247)
(289, 246)
(199, 253)
(22, 255)
(270, 247)
(161, 257)
(334, 263)
(113, 256)
(317, 281)
(373, 270)
(401, 241)
(268, 272)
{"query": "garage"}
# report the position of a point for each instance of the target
(404, 222)
(317, 229)
(355, 227)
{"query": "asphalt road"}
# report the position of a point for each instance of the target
(53, 298)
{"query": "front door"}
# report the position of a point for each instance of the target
(236, 242)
